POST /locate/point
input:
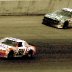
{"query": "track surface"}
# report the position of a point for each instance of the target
(54, 46)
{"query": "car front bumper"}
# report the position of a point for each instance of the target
(50, 22)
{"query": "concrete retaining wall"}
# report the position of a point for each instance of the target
(25, 7)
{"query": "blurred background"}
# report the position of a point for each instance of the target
(27, 7)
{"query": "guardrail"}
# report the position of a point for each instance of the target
(31, 7)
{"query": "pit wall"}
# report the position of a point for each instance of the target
(27, 7)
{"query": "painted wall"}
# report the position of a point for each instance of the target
(25, 7)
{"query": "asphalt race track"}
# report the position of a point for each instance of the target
(54, 46)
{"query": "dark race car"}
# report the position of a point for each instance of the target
(59, 19)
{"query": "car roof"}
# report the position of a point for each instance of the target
(15, 39)
(67, 9)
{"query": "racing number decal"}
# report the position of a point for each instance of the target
(21, 51)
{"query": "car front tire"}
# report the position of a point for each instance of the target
(30, 54)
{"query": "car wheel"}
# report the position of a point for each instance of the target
(43, 22)
(11, 54)
(66, 23)
(30, 54)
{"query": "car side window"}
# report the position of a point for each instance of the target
(19, 44)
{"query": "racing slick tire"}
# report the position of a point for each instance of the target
(11, 54)
(30, 54)
(66, 23)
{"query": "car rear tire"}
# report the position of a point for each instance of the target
(11, 54)
(66, 23)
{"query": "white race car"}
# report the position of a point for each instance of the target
(12, 47)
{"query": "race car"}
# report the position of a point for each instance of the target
(13, 47)
(59, 19)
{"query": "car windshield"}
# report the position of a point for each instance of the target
(64, 13)
(12, 43)
(26, 44)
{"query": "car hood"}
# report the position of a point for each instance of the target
(57, 17)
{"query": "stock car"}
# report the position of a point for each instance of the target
(59, 19)
(13, 47)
